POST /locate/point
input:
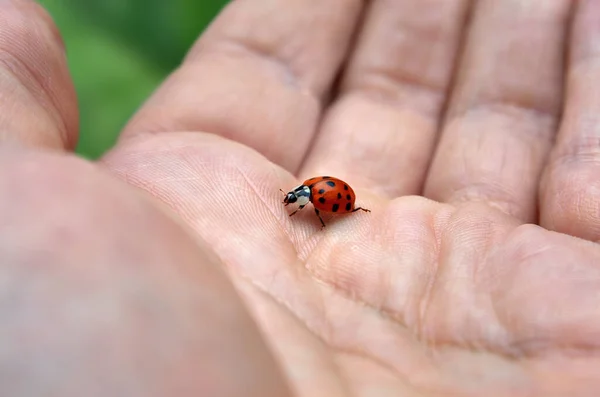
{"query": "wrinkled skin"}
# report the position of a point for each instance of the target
(170, 266)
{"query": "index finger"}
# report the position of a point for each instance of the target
(258, 76)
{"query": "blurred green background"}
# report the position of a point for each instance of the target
(119, 51)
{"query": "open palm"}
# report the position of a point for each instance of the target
(491, 289)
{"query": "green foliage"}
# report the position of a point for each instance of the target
(118, 53)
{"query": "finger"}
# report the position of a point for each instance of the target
(108, 295)
(38, 105)
(381, 129)
(504, 110)
(257, 76)
(569, 193)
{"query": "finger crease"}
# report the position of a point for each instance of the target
(493, 196)
(579, 150)
(544, 119)
(262, 53)
(390, 86)
(35, 86)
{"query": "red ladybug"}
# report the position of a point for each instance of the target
(327, 194)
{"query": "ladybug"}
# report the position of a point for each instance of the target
(328, 194)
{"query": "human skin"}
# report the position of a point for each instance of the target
(170, 266)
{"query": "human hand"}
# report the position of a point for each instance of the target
(106, 292)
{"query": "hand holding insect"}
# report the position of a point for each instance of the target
(170, 268)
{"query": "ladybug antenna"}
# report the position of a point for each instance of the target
(284, 194)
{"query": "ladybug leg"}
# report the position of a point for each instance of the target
(361, 208)
(319, 215)
(297, 209)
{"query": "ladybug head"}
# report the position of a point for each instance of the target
(301, 195)
(289, 197)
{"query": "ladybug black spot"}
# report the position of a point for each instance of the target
(326, 177)
(348, 206)
(321, 191)
(335, 207)
(348, 197)
(330, 183)
(345, 187)
(339, 196)
(322, 200)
